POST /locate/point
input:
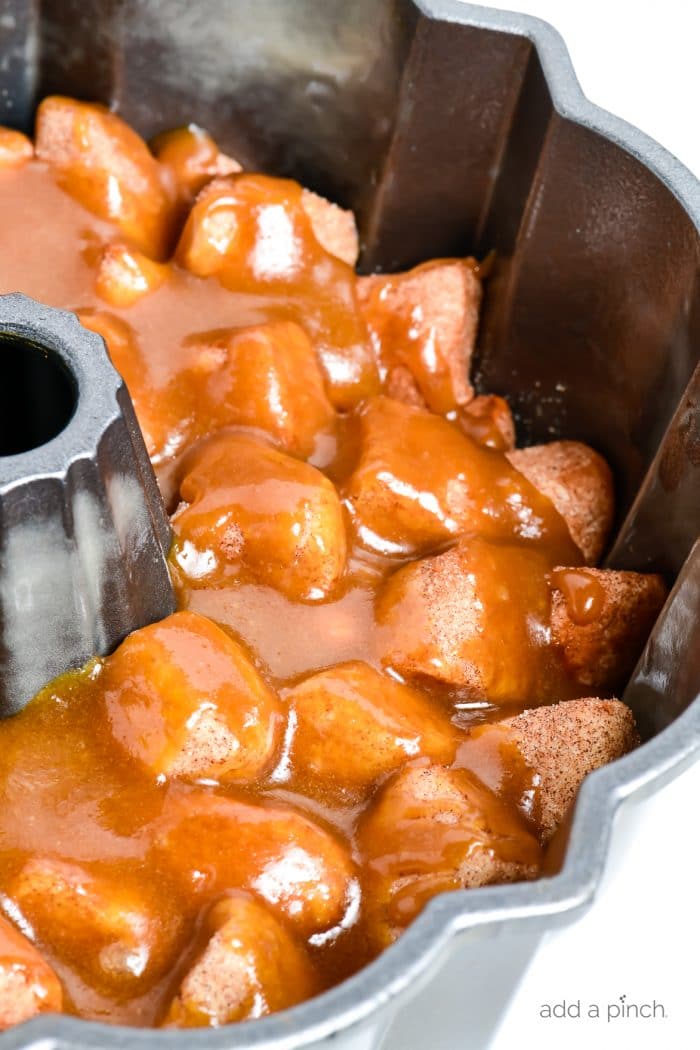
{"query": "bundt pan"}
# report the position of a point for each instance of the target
(83, 533)
(450, 129)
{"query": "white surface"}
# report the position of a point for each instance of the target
(638, 940)
(638, 60)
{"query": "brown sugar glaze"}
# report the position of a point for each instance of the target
(67, 790)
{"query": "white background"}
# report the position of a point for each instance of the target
(641, 61)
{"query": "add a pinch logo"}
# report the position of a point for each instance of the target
(620, 1009)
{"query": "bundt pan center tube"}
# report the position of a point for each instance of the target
(83, 533)
(449, 129)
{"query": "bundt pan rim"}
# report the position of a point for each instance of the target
(550, 901)
(81, 508)
(98, 389)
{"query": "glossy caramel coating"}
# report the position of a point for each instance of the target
(254, 235)
(400, 385)
(187, 372)
(600, 621)
(184, 700)
(166, 415)
(125, 275)
(28, 985)
(433, 829)
(15, 149)
(214, 843)
(420, 482)
(353, 725)
(119, 933)
(488, 420)
(579, 483)
(103, 855)
(251, 511)
(379, 599)
(104, 164)
(423, 323)
(438, 618)
(250, 966)
(193, 157)
(266, 377)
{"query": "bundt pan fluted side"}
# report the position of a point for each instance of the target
(449, 129)
(83, 533)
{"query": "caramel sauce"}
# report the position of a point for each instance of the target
(490, 753)
(74, 786)
(488, 420)
(263, 244)
(419, 482)
(582, 593)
